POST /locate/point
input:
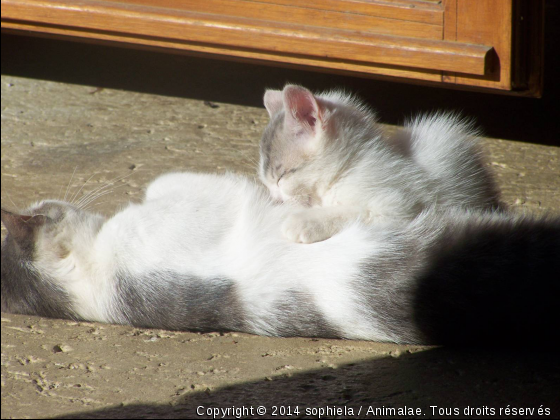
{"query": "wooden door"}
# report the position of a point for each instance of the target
(461, 43)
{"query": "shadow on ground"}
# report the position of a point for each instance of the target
(513, 118)
(485, 381)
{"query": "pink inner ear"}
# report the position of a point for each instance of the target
(273, 101)
(17, 225)
(303, 107)
(22, 226)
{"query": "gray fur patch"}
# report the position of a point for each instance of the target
(24, 290)
(270, 137)
(494, 283)
(210, 305)
(296, 315)
(385, 286)
(484, 279)
(171, 301)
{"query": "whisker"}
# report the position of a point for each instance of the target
(106, 185)
(89, 197)
(96, 196)
(60, 192)
(93, 205)
(251, 159)
(69, 182)
(76, 195)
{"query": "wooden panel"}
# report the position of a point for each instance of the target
(333, 66)
(237, 35)
(413, 10)
(488, 22)
(496, 44)
(514, 28)
(450, 32)
(306, 16)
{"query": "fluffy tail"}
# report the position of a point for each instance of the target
(491, 279)
(445, 146)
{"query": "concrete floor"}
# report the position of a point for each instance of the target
(56, 135)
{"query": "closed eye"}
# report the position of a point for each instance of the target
(287, 171)
(280, 177)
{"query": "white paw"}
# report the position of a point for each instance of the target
(305, 230)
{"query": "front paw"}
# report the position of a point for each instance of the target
(305, 230)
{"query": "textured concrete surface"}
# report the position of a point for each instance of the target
(56, 136)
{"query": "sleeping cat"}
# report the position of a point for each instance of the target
(327, 153)
(205, 252)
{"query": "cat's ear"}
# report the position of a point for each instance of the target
(273, 101)
(303, 111)
(22, 227)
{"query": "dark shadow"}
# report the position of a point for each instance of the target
(515, 118)
(489, 285)
(439, 377)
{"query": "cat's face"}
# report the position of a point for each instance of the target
(284, 165)
(309, 142)
(40, 250)
(292, 144)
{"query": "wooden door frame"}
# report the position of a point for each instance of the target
(496, 46)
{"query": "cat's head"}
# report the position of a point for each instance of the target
(40, 252)
(309, 140)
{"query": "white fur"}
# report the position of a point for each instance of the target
(84, 271)
(362, 282)
(328, 151)
(211, 226)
